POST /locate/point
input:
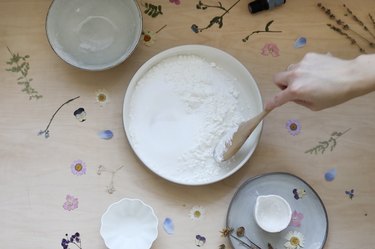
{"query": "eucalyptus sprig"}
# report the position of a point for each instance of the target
(20, 65)
(324, 145)
(266, 30)
(216, 19)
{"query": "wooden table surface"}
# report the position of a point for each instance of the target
(35, 172)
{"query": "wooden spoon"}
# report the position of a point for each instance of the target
(235, 138)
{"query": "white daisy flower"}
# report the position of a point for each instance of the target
(295, 240)
(102, 97)
(197, 213)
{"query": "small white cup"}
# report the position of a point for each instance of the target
(272, 213)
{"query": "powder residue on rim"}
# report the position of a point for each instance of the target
(179, 111)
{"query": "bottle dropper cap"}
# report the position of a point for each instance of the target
(258, 5)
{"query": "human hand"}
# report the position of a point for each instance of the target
(320, 81)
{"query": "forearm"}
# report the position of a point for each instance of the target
(363, 75)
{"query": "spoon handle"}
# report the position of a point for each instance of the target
(244, 131)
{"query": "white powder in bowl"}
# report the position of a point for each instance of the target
(179, 111)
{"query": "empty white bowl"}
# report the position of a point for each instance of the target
(94, 34)
(129, 223)
(272, 213)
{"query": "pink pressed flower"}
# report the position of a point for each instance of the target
(296, 219)
(270, 49)
(177, 2)
(71, 203)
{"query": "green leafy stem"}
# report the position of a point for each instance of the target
(215, 20)
(152, 9)
(266, 30)
(324, 145)
(19, 64)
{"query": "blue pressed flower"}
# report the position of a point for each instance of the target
(168, 226)
(330, 175)
(300, 42)
(106, 134)
(195, 29)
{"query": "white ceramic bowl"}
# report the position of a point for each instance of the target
(148, 118)
(129, 223)
(94, 34)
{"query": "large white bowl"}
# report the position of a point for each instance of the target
(249, 97)
(94, 34)
(129, 223)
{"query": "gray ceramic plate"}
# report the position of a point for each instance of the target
(313, 225)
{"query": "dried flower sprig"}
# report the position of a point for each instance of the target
(19, 64)
(266, 30)
(74, 239)
(351, 39)
(240, 233)
(344, 26)
(46, 130)
(357, 20)
(330, 143)
(215, 20)
(372, 20)
(111, 187)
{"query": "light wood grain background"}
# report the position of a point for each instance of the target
(35, 172)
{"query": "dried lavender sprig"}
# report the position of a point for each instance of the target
(351, 39)
(344, 25)
(356, 19)
(372, 20)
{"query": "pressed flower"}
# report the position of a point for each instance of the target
(102, 97)
(148, 37)
(200, 240)
(270, 49)
(299, 193)
(177, 2)
(226, 232)
(293, 126)
(350, 193)
(297, 218)
(80, 114)
(300, 42)
(197, 212)
(240, 231)
(78, 167)
(330, 175)
(71, 203)
(168, 226)
(295, 240)
(105, 134)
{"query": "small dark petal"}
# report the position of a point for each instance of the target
(78, 240)
(194, 28)
(77, 234)
(64, 241)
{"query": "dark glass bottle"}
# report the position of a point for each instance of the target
(259, 5)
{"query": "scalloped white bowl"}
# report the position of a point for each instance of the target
(129, 223)
(94, 34)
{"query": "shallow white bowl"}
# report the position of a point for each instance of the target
(94, 34)
(129, 223)
(249, 98)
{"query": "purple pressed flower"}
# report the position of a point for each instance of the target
(78, 167)
(293, 126)
(177, 2)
